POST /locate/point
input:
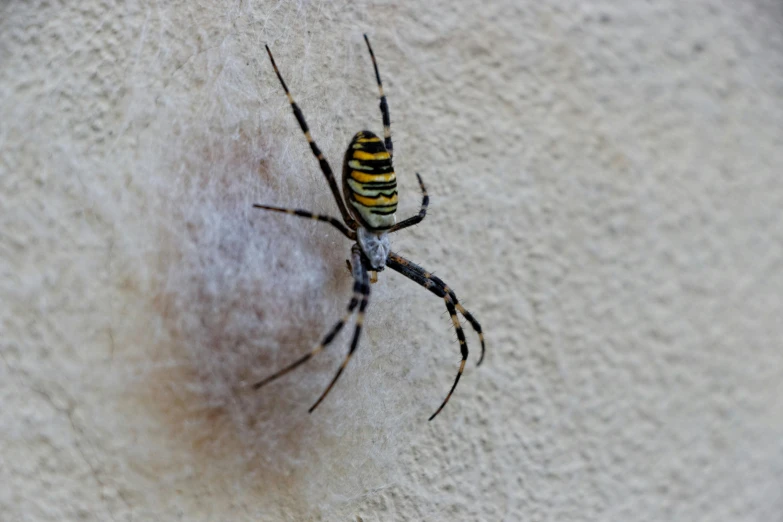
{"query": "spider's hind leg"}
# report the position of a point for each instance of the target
(319, 156)
(383, 105)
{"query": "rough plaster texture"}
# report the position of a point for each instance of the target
(606, 192)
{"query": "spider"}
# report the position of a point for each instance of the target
(368, 212)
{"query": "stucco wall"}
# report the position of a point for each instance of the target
(606, 198)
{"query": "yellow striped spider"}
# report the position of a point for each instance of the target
(368, 212)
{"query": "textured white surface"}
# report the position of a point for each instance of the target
(606, 198)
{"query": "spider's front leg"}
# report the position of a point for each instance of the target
(360, 274)
(438, 287)
(360, 293)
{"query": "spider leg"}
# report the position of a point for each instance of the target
(327, 170)
(384, 106)
(439, 288)
(425, 202)
(357, 331)
(358, 291)
(440, 284)
(350, 234)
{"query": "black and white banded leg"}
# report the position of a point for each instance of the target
(425, 202)
(365, 278)
(438, 287)
(360, 292)
(327, 170)
(387, 140)
(350, 234)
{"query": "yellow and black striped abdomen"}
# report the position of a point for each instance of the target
(369, 182)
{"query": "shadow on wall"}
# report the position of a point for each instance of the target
(236, 294)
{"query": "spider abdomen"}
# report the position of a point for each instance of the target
(369, 182)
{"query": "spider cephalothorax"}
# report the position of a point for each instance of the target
(375, 245)
(368, 212)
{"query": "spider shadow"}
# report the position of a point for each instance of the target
(242, 294)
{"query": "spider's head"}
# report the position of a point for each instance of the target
(375, 246)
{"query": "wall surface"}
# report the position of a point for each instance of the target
(606, 198)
